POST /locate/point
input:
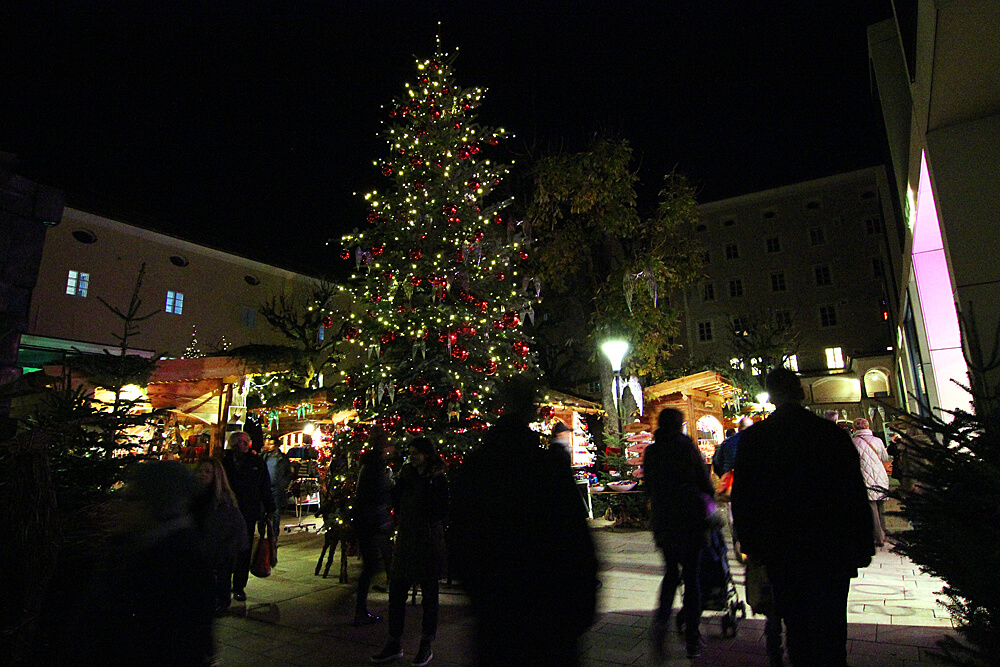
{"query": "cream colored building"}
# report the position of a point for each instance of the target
(192, 289)
(936, 72)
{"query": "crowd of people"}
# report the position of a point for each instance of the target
(509, 527)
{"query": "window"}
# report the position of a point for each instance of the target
(774, 244)
(707, 257)
(77, 283)
(827, 316)
(823, 275)
(778, 281)
(178, 260)
(756, 365)
(708, 292)
(783, 318)
(729, 223)
(249, 317)
(736, 288)
(704, 332)
(791, 363)
(877, 270)
(873, 225)
(732, 251)
(834, 357)
(816, 236)
(594, 388)
(175, 302)
(740, 327)
(251, 280)
(84, 236)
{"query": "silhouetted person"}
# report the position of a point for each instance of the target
(561, 442)
(251, 484)
(723, 461)
(371, 519)
(678, 487)
(223, 531)
(151, 604)
(420, 499)
(526, 555)
(801, 506)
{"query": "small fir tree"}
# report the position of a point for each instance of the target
(442, 300)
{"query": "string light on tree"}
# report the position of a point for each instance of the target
(435, 271)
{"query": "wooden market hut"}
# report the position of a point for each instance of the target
(701, 397)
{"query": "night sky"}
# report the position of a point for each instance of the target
(247, 126)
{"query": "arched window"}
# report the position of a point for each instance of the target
(876, 383)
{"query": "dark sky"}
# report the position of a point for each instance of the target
(248, 125)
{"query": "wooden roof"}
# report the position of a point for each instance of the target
(225, 369)
(707, 383)
(558, 399)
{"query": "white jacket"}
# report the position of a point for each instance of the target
(871, 462)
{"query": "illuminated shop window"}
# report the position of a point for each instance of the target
(834, 357)
(792, 362)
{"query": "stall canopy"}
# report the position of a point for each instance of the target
(197, 389)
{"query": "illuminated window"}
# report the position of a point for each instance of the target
(736, 363)
(755, 365)
(828, 316)
(736, 288)
(834, 357)
(77, 283)
(816, 236)
(708, 292)
(774, 244)
(823, 277)
(791, 363)
(732, 251)
(175, 302)
(704, 332)
(778, 281)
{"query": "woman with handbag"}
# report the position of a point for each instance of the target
(875, 468)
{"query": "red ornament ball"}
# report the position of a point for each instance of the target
(360, 432)
(497, 324)
(448, 338)
(415, 281)
(378, 250)
(419, 387)
(419, 185)
(523, 254)
(521, 367)
(434, 402)
(511, 319)
(387, 170)
(376, 298)
(345, 254)
(327, 322)
(500, 275)
(351, 381)
(416, 253)
(358, 403)
(483, 306)
(373, 217)
(547, 412)
(479, 235)
(520, 348)
(473, 184)
(459, 352)
(351, 333)
(454, 395)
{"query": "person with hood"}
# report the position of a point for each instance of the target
(420, 499)
(679, 489)
(371, 519)
(874, 456)
(523, 550)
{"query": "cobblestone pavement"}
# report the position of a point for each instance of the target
(297, 618)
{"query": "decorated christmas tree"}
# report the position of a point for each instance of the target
(442, 304)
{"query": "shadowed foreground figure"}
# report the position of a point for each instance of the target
(802, 508)
(524, 551)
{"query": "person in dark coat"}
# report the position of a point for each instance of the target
(279, 469)
(223, 530)
(679, 489)
(251, 484)
(371, 519)
(801, 506)
(523, 548)
(151, 603)
(420, 499)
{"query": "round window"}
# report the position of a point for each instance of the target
(84, 236)
(178, 260)
(252, 280)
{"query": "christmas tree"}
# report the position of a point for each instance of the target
(442, 302)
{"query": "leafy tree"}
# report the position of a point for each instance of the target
(758, 342)
(591, 241)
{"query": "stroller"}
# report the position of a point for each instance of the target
(718, 592)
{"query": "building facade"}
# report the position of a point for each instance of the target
(197, 293)
(802, 275)
(936, 72)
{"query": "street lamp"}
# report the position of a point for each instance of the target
(615, 351)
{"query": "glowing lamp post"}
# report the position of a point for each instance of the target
(615, 351)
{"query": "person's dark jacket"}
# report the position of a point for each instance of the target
(799, 500)
(724, 458)
(251, 484)
(678, 485)
(523, 548)
(421, 504)
(279, 469)
(371, 509)
(222, 527)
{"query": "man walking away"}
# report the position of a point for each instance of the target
(802, 509)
